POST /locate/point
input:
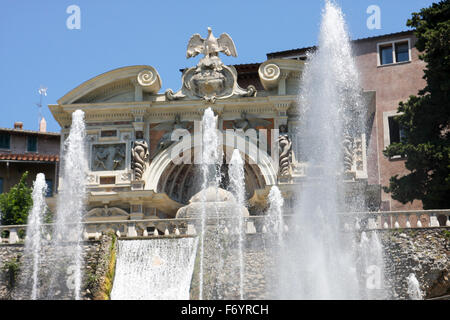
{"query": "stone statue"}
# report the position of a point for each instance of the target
(169, 126)
(139, 157)
(285, 147)
(249, 122)
(210, 79)
(210, 47)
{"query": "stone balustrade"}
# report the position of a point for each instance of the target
(397, 219)
(152, 228)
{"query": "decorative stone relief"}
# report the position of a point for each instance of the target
(249, 122)
(274, 73)
(210, 79)
(348, 152)
(126, 136)
(139, 157)
(108, 157)
(91, 137)
(285, 148)
(149, 80)
(108, 212)
(269, 75)
(125, 176)
(91, 178)
(358, 154)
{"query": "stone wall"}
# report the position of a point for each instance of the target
(424, 252)
(15, 280)
(223, 281)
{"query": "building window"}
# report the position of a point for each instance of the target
(394, 52)
(4, 140)
(393, 131)
(386, 55)
(49, 183)
(1, 185)
(32, 143)
(402, 52)
(396, 133)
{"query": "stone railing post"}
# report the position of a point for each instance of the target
(131, 230)
(408, 222)
(434, 222)
(396, 224)
(250, 227)
(13, 237)
(372, 223)
(419, 223)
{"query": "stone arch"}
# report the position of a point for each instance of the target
(178, 181)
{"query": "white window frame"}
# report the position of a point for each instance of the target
(394, 56)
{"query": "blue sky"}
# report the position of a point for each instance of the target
(37, 47)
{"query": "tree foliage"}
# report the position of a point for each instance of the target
(16, 204)
(425, 117)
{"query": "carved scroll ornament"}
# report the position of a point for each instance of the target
(139, 157)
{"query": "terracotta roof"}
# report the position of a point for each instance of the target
(293, 51)
(29, 157)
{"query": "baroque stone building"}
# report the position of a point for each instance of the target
(129, 125)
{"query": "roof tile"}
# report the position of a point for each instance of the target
(30, 157)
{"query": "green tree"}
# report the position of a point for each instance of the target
(16, 204)
(425, 118)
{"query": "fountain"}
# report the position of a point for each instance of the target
(371, 261)
(320, 262)
(211, 157)
(33, 241)
(414, 291)
(159, 269)
(274, 218)
(237, 187)
(66, 273)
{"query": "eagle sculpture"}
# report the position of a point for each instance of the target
(210, 46)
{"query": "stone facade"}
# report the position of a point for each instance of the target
(123, 110)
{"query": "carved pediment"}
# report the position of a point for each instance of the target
(119, 85)
(106, 213)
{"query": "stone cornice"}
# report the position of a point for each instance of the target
(167, 109)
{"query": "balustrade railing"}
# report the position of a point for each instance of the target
(92, 230)
(397, 219)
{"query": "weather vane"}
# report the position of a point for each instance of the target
(42, 92)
